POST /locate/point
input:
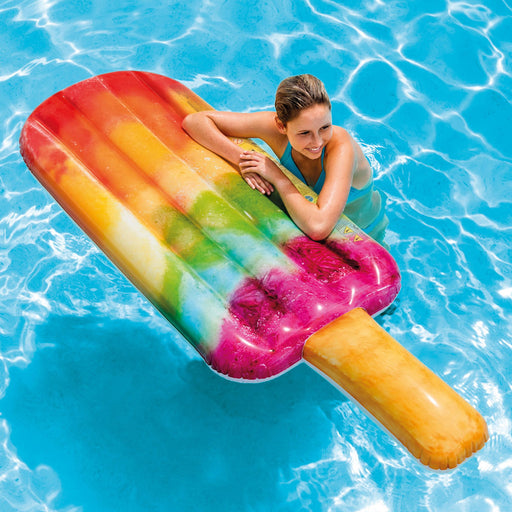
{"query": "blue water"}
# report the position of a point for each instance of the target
(105, 408)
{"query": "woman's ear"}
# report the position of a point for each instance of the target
(280, 126)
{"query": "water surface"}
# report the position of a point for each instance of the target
(106, 408)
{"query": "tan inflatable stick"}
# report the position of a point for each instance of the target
(426, 415)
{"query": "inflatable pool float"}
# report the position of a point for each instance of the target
(226, 265)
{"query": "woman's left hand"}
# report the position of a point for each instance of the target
(258, 170)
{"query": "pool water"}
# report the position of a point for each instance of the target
(104, 407)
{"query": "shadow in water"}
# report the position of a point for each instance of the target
(129, 423)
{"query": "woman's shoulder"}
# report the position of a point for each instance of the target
(340, 139)
(345, 144)
(340, 135)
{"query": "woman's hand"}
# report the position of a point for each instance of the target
(258, 171)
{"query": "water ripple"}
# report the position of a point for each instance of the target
(426, 89)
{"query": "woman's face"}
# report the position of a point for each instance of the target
(310, 131)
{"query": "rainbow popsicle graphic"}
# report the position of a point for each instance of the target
(224, 264)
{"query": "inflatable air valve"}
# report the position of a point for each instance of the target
(225, 265)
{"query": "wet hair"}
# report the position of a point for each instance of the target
(296, 93)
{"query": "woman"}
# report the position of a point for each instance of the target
(300, 132)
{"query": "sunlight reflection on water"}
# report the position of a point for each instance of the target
(426, 90)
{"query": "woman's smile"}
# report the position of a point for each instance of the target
(315, 150)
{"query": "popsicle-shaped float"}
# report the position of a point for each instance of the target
(226, 266)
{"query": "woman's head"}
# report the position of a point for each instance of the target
(297, 93)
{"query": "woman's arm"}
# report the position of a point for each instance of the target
(316, 220)
(212, 130)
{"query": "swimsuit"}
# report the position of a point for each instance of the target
(289, 163)
(365, 206)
